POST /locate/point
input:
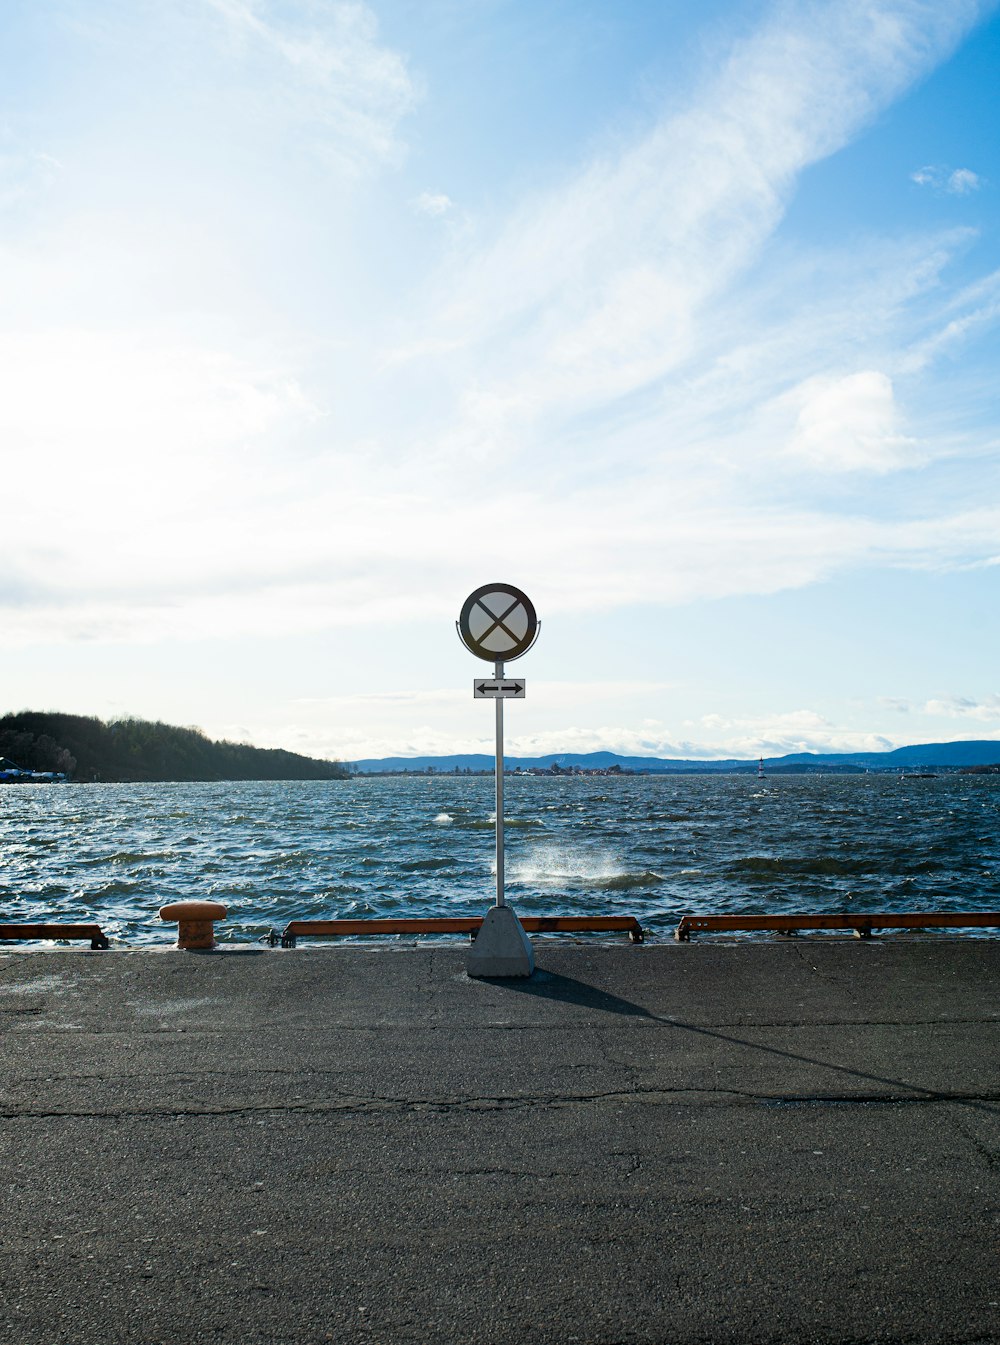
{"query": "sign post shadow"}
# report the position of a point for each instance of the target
(498, 623)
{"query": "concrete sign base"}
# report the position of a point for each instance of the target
(501, 947)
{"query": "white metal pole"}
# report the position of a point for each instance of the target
(499, 703)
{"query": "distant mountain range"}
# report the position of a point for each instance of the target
(929, 756)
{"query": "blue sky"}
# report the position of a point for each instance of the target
(317, 316)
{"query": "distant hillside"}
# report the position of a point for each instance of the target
(979, 752)
(126, 750)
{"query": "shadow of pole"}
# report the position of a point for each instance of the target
(567, 990)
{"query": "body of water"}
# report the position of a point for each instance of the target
(657, 847)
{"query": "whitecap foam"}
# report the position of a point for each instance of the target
(552, 867)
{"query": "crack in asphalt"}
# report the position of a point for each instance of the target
(430, 1105)
(644, 1019)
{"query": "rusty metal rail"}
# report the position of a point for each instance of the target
(97, 937)
(532, 924)
(861, 924)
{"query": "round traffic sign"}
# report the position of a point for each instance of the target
(497, 622)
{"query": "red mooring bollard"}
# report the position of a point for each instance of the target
(195, 921)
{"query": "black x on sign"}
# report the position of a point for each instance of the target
(498, 622)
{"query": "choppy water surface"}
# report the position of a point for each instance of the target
(655, 847)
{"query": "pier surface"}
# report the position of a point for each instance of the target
(793, 1141)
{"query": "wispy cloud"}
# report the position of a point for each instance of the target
(983, 709)
(620, 371)
(24, 173)
(615, 268)
(433, 203)
(953, 181)
(897, 704)
(986, 710)
(328, 69)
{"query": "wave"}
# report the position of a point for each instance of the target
(820, 865)
(378, 848)
(888, 866)
(624, 882)
(489, 823)
(122, 857)
(302, 859)
(528, 876)
(113, 889)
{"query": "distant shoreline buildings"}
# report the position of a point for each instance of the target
(977, 756)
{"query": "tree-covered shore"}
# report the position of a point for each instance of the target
(130, 750)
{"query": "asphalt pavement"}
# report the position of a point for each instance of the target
(714, 1142)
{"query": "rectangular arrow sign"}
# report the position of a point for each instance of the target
(511, 688)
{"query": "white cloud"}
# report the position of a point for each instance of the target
(962, 181)
(710, 738)
(600, 378)
(779, 734)
(431, 725)
(433, 203)
(445, 720)
(614, 267)
(850, 424)
(986, 710)
(953, 181)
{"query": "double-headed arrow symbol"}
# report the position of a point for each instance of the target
(499, 690)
